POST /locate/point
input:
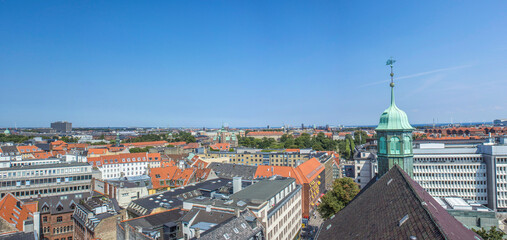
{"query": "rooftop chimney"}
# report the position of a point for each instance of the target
(236, 184)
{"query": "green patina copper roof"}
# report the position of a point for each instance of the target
(393, 118)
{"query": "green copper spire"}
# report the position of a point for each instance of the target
(394, 136)
(393, 118)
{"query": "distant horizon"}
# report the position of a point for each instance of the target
(256, 127)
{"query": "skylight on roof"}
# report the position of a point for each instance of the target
(403, 220)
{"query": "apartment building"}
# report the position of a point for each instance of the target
(275, 203)
(256, 157)
(125, 165)
(56, 215)
(46, 180)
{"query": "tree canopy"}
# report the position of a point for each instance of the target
(344, 190)
(492, 234)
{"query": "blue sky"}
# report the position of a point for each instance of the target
(250, 63)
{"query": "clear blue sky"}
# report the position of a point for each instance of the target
(249, 63)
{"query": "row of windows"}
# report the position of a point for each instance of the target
(44, 181)
(444, 159)
(449, 175)
(58, 171)
(395, 145)
(35, 193)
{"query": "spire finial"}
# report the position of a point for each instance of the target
(390, 63)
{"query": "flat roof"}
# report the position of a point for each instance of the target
(263, 190)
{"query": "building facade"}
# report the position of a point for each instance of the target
(125, 165)
(62, 126)
(46, 180)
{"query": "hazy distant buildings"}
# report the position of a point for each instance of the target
(500, 122)
(62, 126)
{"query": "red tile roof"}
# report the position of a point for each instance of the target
(15, 211)
(146, 144)
(265, 133)
(220, 146)
(124, 158)
(176, 176)
(28, 149)
(177, 143)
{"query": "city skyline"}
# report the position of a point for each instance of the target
(195, 65)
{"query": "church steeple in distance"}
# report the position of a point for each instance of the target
(394, 136)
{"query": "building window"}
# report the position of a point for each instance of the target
(59, 219)
(45, 219)
(407, 145)
(395, 145)
(382, 145)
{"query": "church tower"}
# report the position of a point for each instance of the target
(394, 137)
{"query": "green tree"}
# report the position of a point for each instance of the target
(347, 152)
(138, 150)
(344, 190)
(492, 234)
(360, 137)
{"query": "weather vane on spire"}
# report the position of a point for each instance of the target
(390, 63)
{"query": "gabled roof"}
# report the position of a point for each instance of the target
(15, 211)
(394, 207)
(284, 171)
(310, 169)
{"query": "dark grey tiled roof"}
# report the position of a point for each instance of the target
(18, 236)
(10, 149)
(243, 227)
(230, 170)
(201, 215)
(52, 202)
(394, 207)
(156, 220)
(174, 197)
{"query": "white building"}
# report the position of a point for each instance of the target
(458, 171)
(125, 165)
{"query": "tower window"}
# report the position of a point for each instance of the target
(395, 145)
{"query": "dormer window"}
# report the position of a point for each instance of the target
(59, 208)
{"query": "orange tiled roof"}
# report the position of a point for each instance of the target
(12, 208)
(265, 133)
(220, 146)
(97, 151)
(177, 143)
(43, 155)
(292, 150)
(123, 158)
(284, 171)
(192, 145)
(310, 169)
(146, 144)
(173, 174)
(77, 146)
(28, 149)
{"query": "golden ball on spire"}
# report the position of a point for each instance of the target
(392, 74)
(392, 84)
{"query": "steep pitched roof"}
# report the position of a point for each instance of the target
(284, 171)
(394, 207)
(310, 169)
(15, 211)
